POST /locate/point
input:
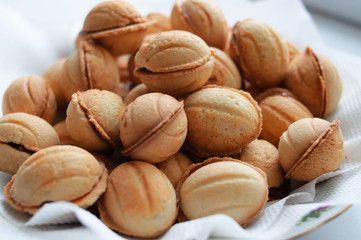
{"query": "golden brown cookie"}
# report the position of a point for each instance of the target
(221, 121)
(260, 52)
(264, 155)
(58, 173)
(279, 109)
(315, 81)
(311, 147)
(161, 23)
(30, 94)
(203, 18)
(139, 201)
(53, 76)
(153, 127)
(116, 25)
(174, 62)
(89, 67)
(21, 135)
(63, 134)
(175, 166)
(225, 72)
(137, 91)
(222, 185)
(93, 119)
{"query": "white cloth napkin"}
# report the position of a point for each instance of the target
(36, 33)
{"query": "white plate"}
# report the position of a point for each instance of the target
(315, 219)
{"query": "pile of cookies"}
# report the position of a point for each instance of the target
(170, 118)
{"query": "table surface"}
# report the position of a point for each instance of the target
(345, 37)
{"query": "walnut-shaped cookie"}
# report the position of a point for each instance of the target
(315, 81)
(135, 92)
(64, 135)
(311, 147)
(279, 109)
(203, 18)
(92, 119)
(58, 173)
(221, 121)
(161, 23)
(139, 201)
(116, 25)
(260, 52)
(153, 127)
(175, 166)
(21, 135)
(222, 185)
(174, 62)
(264, 155)
(89, 67)
(53, 76)
(30, 94)
(225, 72)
